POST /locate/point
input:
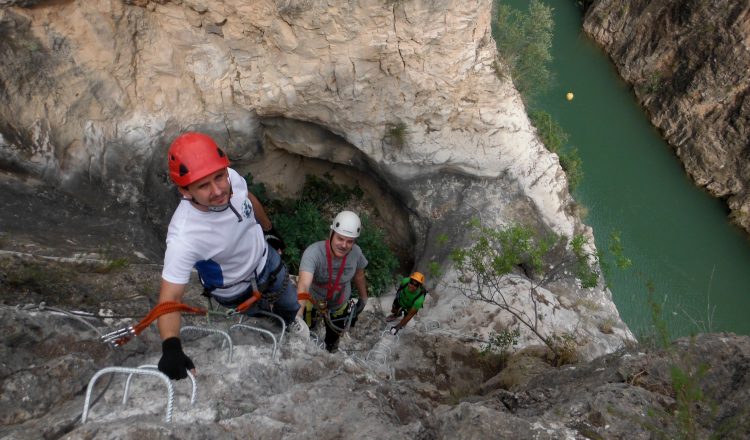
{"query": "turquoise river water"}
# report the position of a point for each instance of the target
(677, 236)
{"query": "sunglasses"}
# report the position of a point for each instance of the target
(414, 283)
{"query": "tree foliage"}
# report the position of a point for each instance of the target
(524, 40)
(556, 140)
(503, 264)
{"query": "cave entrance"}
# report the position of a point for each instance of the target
(293, 149)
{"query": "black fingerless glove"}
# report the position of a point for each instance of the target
(174, 362)
(360, 306)
(273, 238)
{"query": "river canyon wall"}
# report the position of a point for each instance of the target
(688, 63)
(92, 94)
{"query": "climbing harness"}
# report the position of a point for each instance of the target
(423, 293)
(332, 287)
(347, 318)
(269, 297)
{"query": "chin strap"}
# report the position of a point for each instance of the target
(219, 208)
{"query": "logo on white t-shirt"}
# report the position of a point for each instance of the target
(247, 209)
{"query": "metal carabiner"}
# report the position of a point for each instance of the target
(119, 337)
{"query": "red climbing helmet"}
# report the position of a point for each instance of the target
(193, 156)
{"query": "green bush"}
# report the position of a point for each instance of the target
(686, 374)
(524, 40)
(501, 342)
(305, 220)
(395, 134)
(383, 264)
(588, 275)
(490, 268)
(555, 139)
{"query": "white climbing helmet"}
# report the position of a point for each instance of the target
(347, 224)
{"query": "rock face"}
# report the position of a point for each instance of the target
(424, 385)
(688, 64)
(400, 92)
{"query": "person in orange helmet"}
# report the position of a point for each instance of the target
(217, 229)
(409, 299)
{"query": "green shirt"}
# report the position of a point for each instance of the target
(408, 299)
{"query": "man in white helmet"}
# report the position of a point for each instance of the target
(326, 271)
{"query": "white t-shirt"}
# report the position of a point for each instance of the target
(224, 250)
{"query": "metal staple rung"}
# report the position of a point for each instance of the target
(378, 352)
(378, 358)
(317, 342)
(250, 327)
(148, 372)
(227, 338)
(283, 324)
(155, 367)
(389, 334)
(432, 325)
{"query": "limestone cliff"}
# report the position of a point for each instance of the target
(94, 91)
(403, 93)
(431, 386)
(688, 62)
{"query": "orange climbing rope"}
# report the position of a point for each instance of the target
(163, 309)
(122, 336)
(242, 308)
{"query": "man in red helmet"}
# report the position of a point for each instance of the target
(218, 229)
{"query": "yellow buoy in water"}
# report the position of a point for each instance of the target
(569, 96)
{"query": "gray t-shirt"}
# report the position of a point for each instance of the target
(314, 261)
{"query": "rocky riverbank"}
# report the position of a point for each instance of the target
(688, 63)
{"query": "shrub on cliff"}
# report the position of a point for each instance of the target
(524, 40)
(556, 140)
(503, 263)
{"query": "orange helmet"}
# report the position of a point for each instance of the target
(193, 156)
(418, 277)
